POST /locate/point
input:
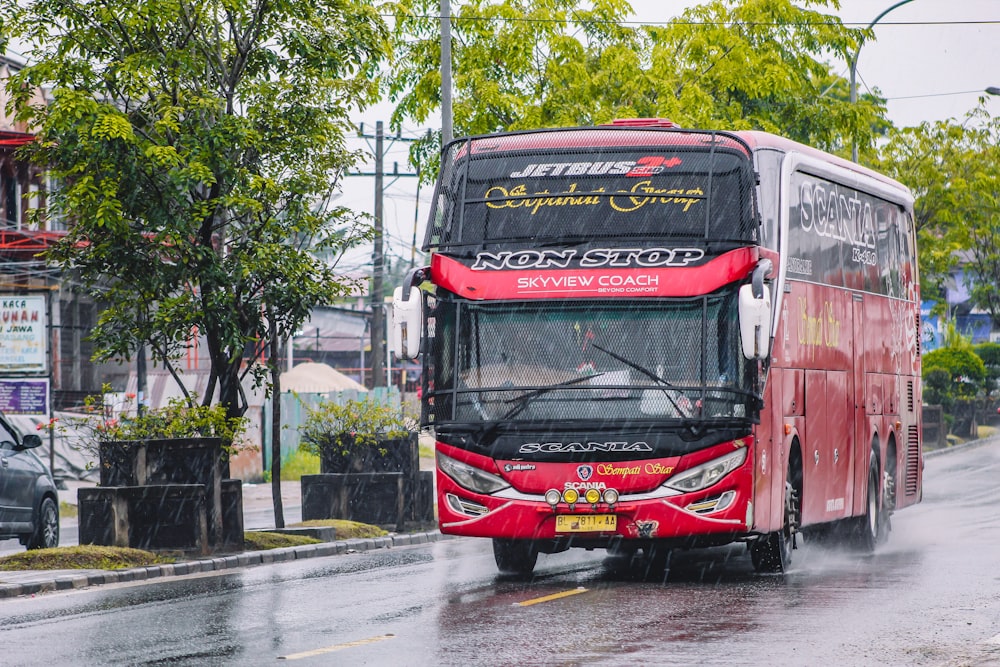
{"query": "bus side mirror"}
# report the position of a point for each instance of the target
(755, 314)
(407, 320)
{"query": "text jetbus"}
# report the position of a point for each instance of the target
(636, 336)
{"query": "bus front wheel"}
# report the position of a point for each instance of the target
(773, 552)
(868, 527)
(515, 556)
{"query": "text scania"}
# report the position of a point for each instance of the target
(591, 259)
(567, 447)
(828, 210)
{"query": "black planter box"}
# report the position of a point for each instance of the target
(401, 455)
(373, 497)
(160, 517)
(169, 461)
(232, 515)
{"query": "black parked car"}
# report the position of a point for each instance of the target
(29, 503)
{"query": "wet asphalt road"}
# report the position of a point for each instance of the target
(931, 596)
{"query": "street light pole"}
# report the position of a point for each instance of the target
(854, 70)
(446, 126)
(993, 90)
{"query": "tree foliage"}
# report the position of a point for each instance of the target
(733, 64)
(966, 370)
(954, 172)
(198, 144)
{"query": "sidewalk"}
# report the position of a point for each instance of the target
(31, 582)
(258, 513)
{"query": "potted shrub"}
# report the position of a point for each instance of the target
(121, 443)
(179, 445)
(369, 463)
(360, 436)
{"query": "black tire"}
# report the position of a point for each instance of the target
(515, 556)
(46, 535)
(773, 552)
(888, 499)
(868, 528)
(623, 551)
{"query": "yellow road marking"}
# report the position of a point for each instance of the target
(554, 596)
(336, 647)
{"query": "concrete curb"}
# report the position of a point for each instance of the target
(31, 582)
(993, 439)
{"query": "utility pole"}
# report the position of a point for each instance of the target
(446, 131)
(378, 314)
(378, 255)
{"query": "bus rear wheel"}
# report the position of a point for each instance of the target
(515, 556)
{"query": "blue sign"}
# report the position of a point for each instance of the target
(25, 396)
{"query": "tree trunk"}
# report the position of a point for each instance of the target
(279, 514)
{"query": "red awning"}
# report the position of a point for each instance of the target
(15, 139)
(25, 245)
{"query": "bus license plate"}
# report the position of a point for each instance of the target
(586, 523)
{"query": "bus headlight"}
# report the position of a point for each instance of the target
(707, 474)
(470, 477)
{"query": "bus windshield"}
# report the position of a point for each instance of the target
(664, 360)
(692, 193)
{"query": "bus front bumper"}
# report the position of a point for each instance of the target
(723, 511)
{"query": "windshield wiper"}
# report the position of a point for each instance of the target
(525, 399)
(666, 388)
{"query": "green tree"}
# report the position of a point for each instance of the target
(197, 145)
(990, 354)
(954, 172)
(956, 378)
(764, 65)
(734, 64)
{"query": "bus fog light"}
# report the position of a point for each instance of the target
(570, 496)
(593, 496)
(552, 497)
(610, 496)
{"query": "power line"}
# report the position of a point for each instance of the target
(687, 22)
(914, 97)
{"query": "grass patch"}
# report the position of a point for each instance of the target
(67, 510)
(298, 464)
(346, 530)
(986, 431)
(255, 540)
(83, 557)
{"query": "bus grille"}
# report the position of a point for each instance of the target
(912, 460)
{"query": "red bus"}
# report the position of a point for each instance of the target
(641, 337)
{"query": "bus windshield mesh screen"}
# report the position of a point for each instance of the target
(666, 192)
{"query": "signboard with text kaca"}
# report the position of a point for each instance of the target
(23, 335)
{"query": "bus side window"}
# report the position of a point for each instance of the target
(769, 169)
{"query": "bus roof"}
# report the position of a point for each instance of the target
(655, 132)
(765, 140)
(600, 137)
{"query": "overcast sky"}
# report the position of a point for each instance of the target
(932, 59)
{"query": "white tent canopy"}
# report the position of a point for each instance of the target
(317, 378)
